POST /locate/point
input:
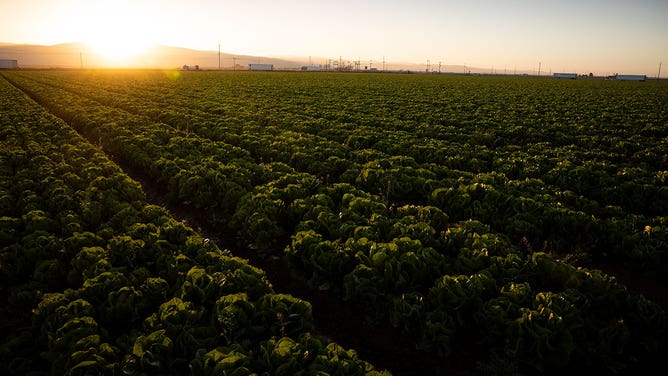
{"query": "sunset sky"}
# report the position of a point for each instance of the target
(601, 36)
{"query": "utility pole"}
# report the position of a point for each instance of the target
(218, 56)
(383, 63)
(539, 63)
(439, 67)
(428, 65)
(658, 75)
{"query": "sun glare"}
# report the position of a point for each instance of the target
(118, 31)
(118, 48)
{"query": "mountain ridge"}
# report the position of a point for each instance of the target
(79, 55)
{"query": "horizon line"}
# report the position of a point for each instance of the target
(488, 69)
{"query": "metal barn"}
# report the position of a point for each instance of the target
(260, 67)
(571, 76)
(9, 64)
(631, 77)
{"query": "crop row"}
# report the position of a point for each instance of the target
(449, 281)
(96, 281)
(600, 124)
(592, 193)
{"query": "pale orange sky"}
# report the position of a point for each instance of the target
(574, 36)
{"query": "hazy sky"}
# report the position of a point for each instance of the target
(603, 36)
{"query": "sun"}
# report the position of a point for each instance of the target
(118, 31)
(117, 48)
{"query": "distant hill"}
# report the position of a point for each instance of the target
(74, 55)
(64, 55)
(165, 56)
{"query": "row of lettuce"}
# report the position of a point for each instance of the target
(576, 169)
(93, 280)
(451, 283)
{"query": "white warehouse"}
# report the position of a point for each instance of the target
(571, 76)
(631, 77)
(260, 67)
(9, 64)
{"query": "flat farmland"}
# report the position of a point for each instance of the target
(468, 215)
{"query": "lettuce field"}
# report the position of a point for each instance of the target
(470, 217)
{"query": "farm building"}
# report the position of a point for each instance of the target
(571, 76)
(631, 77)
(261, 67)
(311, 68)
(9, 64)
